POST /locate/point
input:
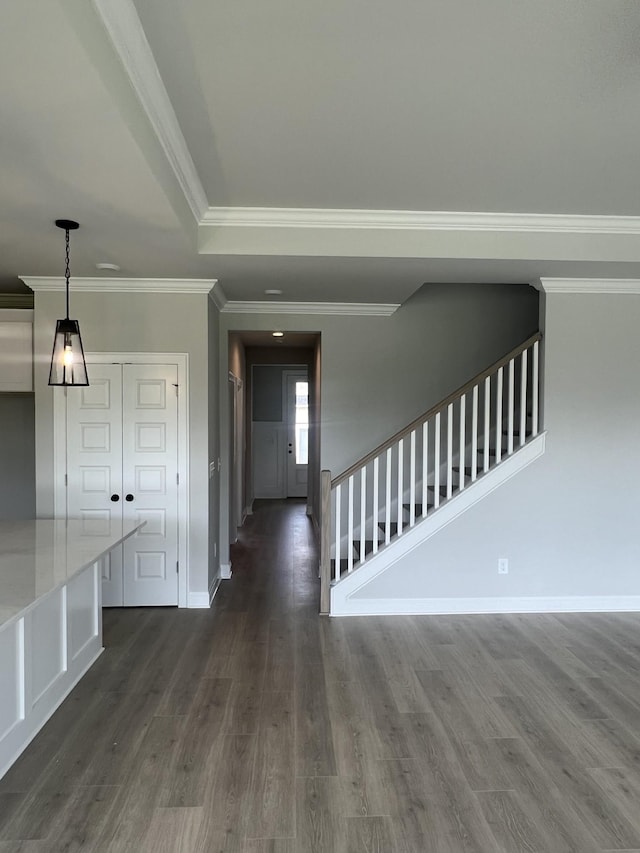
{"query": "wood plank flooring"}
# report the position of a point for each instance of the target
(259, 727)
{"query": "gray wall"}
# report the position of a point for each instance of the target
(17, 456)
(378, 373)
(569, 523)
(266, 392)
(214, 443)
(136, 322)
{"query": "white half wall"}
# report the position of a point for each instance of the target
(568, 523)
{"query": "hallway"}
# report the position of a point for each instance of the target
(258, 727)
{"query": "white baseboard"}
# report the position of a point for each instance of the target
(198, 600)
(202, 600)
(214, 586)
(452, 606)
(225, 571)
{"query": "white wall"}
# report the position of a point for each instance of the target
(135, 322)
(378, 373)
(569, 523)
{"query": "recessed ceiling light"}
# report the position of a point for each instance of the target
(273, 291)
(110, 267)
(278, 334)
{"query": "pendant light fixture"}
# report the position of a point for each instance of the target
(68, 366)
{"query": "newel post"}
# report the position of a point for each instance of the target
(325, 542)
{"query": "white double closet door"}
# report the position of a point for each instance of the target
(122, 464)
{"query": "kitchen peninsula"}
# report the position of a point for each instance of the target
(50, 618)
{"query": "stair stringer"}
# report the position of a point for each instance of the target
(342, 603)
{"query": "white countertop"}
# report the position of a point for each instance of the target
(39, 555)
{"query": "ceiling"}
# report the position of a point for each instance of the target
(342, 152)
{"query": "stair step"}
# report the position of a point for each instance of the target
(368, 547)
(344, 567)
(418, 507)
(443, 491)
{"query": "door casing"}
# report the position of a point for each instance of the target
(181, 361)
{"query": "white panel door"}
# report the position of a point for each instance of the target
(122, 463)
(94, 465)
(150, 470)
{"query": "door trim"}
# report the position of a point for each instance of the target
(181, 361)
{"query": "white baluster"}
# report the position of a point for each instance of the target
(412, 479)
(376, 475)
(534, 389)
(463, 457)
(363, 513)
(510, 405)
(474, 434)
(400, 484)
(425, 467)
(350, 527)
(523, 398)
(449, 450)
(436, 464)
(499, 416)
(387, 509)
(338, 514)
(487, 422)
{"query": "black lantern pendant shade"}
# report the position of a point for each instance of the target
(68, 366)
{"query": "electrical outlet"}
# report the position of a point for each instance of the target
(503, 566)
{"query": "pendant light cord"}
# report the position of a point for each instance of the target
(67, 273)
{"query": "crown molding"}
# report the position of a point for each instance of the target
(416, 220)
(353, 309)
(16, 300)
(120, 285)
(590, 285)
(120, 20)
(218, 296)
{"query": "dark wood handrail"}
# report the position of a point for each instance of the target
(439, 407)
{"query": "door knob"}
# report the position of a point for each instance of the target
(129, 498)
(115, 498)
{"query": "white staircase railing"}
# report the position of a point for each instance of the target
(412, 474)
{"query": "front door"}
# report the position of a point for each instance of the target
(297, 409)
(122, 448)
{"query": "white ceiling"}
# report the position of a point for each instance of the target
(411, 105)
(437, 105)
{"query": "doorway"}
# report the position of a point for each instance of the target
(236, 458)
(270, 425)
(280, 430)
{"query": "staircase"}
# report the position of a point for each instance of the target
(430, 471)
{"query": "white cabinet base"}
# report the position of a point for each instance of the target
(43, 655)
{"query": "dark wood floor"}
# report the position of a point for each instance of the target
(258, 727)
